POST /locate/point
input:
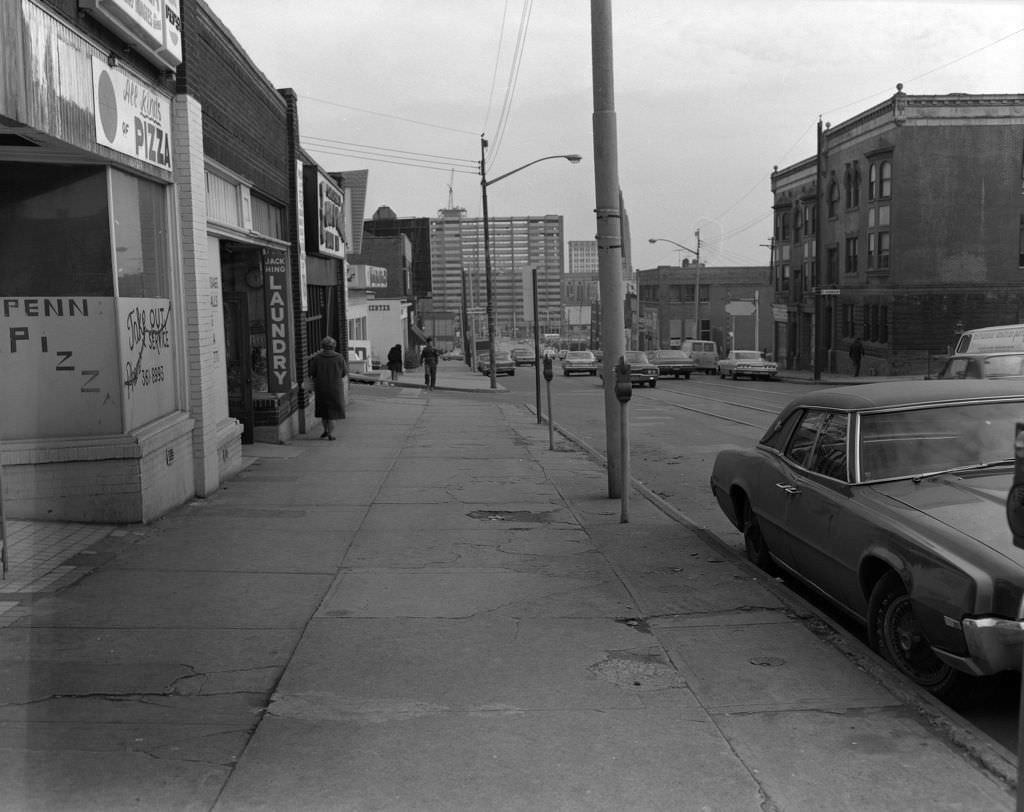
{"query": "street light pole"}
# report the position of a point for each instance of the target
(696, 293)
(484, 183)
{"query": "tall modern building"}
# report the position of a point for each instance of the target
(518, 245)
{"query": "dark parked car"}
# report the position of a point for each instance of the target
(579, 361)
(503, 363)
(889, 500)
(673, 363)
(524, 357)
(641, 371)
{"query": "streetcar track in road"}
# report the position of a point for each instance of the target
(718, 416)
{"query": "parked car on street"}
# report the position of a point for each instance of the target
(503, 363)
(641, 371)
(455, 354)
(749, 363)
(673, 363)
(889, 499)
(524, 356)
(987, 365)
(576, 361)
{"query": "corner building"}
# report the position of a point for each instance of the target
(914, 230)
(153, 289)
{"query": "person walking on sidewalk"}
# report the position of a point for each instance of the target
(395, 362)
(429, 358)
(328, 369)
(856, 353)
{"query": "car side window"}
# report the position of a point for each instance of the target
(779, 432)
(801, 444)
(830, 457)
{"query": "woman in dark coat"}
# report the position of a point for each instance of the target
(327, 370)
(395, 361)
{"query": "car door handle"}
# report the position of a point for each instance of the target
(790, 489)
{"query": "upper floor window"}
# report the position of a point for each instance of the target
(675, 293)
(1020, 244)
(851, 254)
(885, 179)
(873, 181)
(833, 197)
(855, 186)
(784, 226)
(832, 264)
(883, 250)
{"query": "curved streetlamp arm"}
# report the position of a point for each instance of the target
(676, 244)
(573, 159)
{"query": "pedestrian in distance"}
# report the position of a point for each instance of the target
(395, 362)
(327, 370)
(429, 357)
(856, 353)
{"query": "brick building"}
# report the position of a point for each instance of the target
(918, 223)
(161, 236)
(669, 309)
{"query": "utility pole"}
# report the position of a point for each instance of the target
(818, 331)
(609, 229)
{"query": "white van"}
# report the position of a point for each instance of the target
(1002, 338)
(704, 354)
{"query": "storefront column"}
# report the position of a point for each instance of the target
(216, 438)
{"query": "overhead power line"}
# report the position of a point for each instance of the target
(388, 151)
(387, 115)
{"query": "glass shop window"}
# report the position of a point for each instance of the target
(54, 231)
(141, 250)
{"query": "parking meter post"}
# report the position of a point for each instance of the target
(536, 348)
(623, 391)
(548, 375)
(1015, 519)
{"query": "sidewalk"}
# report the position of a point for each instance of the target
(438, 612)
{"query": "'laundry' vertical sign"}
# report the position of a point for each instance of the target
(275, 276)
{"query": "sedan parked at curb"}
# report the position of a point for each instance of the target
(749, 363)
(673, 363)
(503, 363)
(641, 371)
(889, 500)
(524, 357)
(576, 361)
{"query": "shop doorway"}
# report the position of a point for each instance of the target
(239, 363)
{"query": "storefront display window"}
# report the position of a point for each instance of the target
(54, 231)
(89, 327)
(140, 236)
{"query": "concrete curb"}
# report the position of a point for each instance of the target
(980, 749)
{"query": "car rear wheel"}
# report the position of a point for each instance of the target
(754, 543)
(896, 634)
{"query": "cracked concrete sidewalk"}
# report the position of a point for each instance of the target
(438, 612)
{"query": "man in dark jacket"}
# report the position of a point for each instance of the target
(328, 369)
(856, 353)
(429, 358)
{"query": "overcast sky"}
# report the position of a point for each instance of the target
(709, 96)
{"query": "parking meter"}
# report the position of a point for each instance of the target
(548, 375)
(1015, 498)
(623, 385)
